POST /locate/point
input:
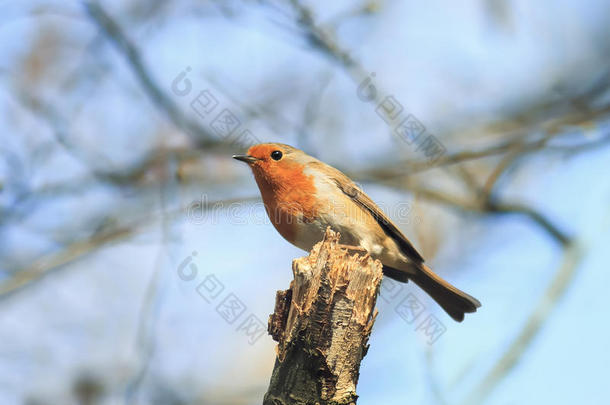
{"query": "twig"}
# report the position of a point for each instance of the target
(545, 122)
(558, 286)
(322, 40)
(47, 264)
(149, 311)
(537, 217)
(502, 147)
(113, 31)
(486, 207)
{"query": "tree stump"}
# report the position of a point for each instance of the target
(322, 324)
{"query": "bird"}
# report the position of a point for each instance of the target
(303, 196)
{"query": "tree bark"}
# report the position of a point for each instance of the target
(322, 324)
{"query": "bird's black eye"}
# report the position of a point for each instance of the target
(276, 155)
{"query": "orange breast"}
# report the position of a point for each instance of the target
(289, 197)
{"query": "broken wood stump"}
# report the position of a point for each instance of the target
(322, 324)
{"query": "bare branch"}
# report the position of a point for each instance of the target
(555, 291)
(113, 31)
(491, 207)
(47, 264)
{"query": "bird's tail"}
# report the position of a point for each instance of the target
(454, 301)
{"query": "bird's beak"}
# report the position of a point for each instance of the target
(245, 158)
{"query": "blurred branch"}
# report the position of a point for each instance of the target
(489, 206)
(516, 144)
(263, 110)
(144, 172)
(115, 34)
(364, 9)
(59, 128)
(149, 311)
(502, 167)
(311, 113)
(549, 117)
(323, 40)
(537, 217)
(485, 201)
(47, 264)
(572, 258)
(431, 376)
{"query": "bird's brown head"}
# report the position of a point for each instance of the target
(275, 163)
(288, 191)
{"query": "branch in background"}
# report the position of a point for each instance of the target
(113, 31)
(483, 207)
(572, 258)
(145, 172)
(487, 202)
(537, 217)
(148, 316)
(323, 40)
(46, 264)
(549, 117)
(322, 325)
(52, 262)
(525, 142)
(518, 145)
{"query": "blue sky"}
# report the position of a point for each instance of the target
(451, 67)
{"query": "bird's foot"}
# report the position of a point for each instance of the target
(353, 248)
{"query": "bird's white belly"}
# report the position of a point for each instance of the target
(385, 250)
(341, 215)
(356, 226)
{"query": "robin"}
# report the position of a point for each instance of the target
(303, 196)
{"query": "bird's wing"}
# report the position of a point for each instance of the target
(350, 189)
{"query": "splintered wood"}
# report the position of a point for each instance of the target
(322, 324)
